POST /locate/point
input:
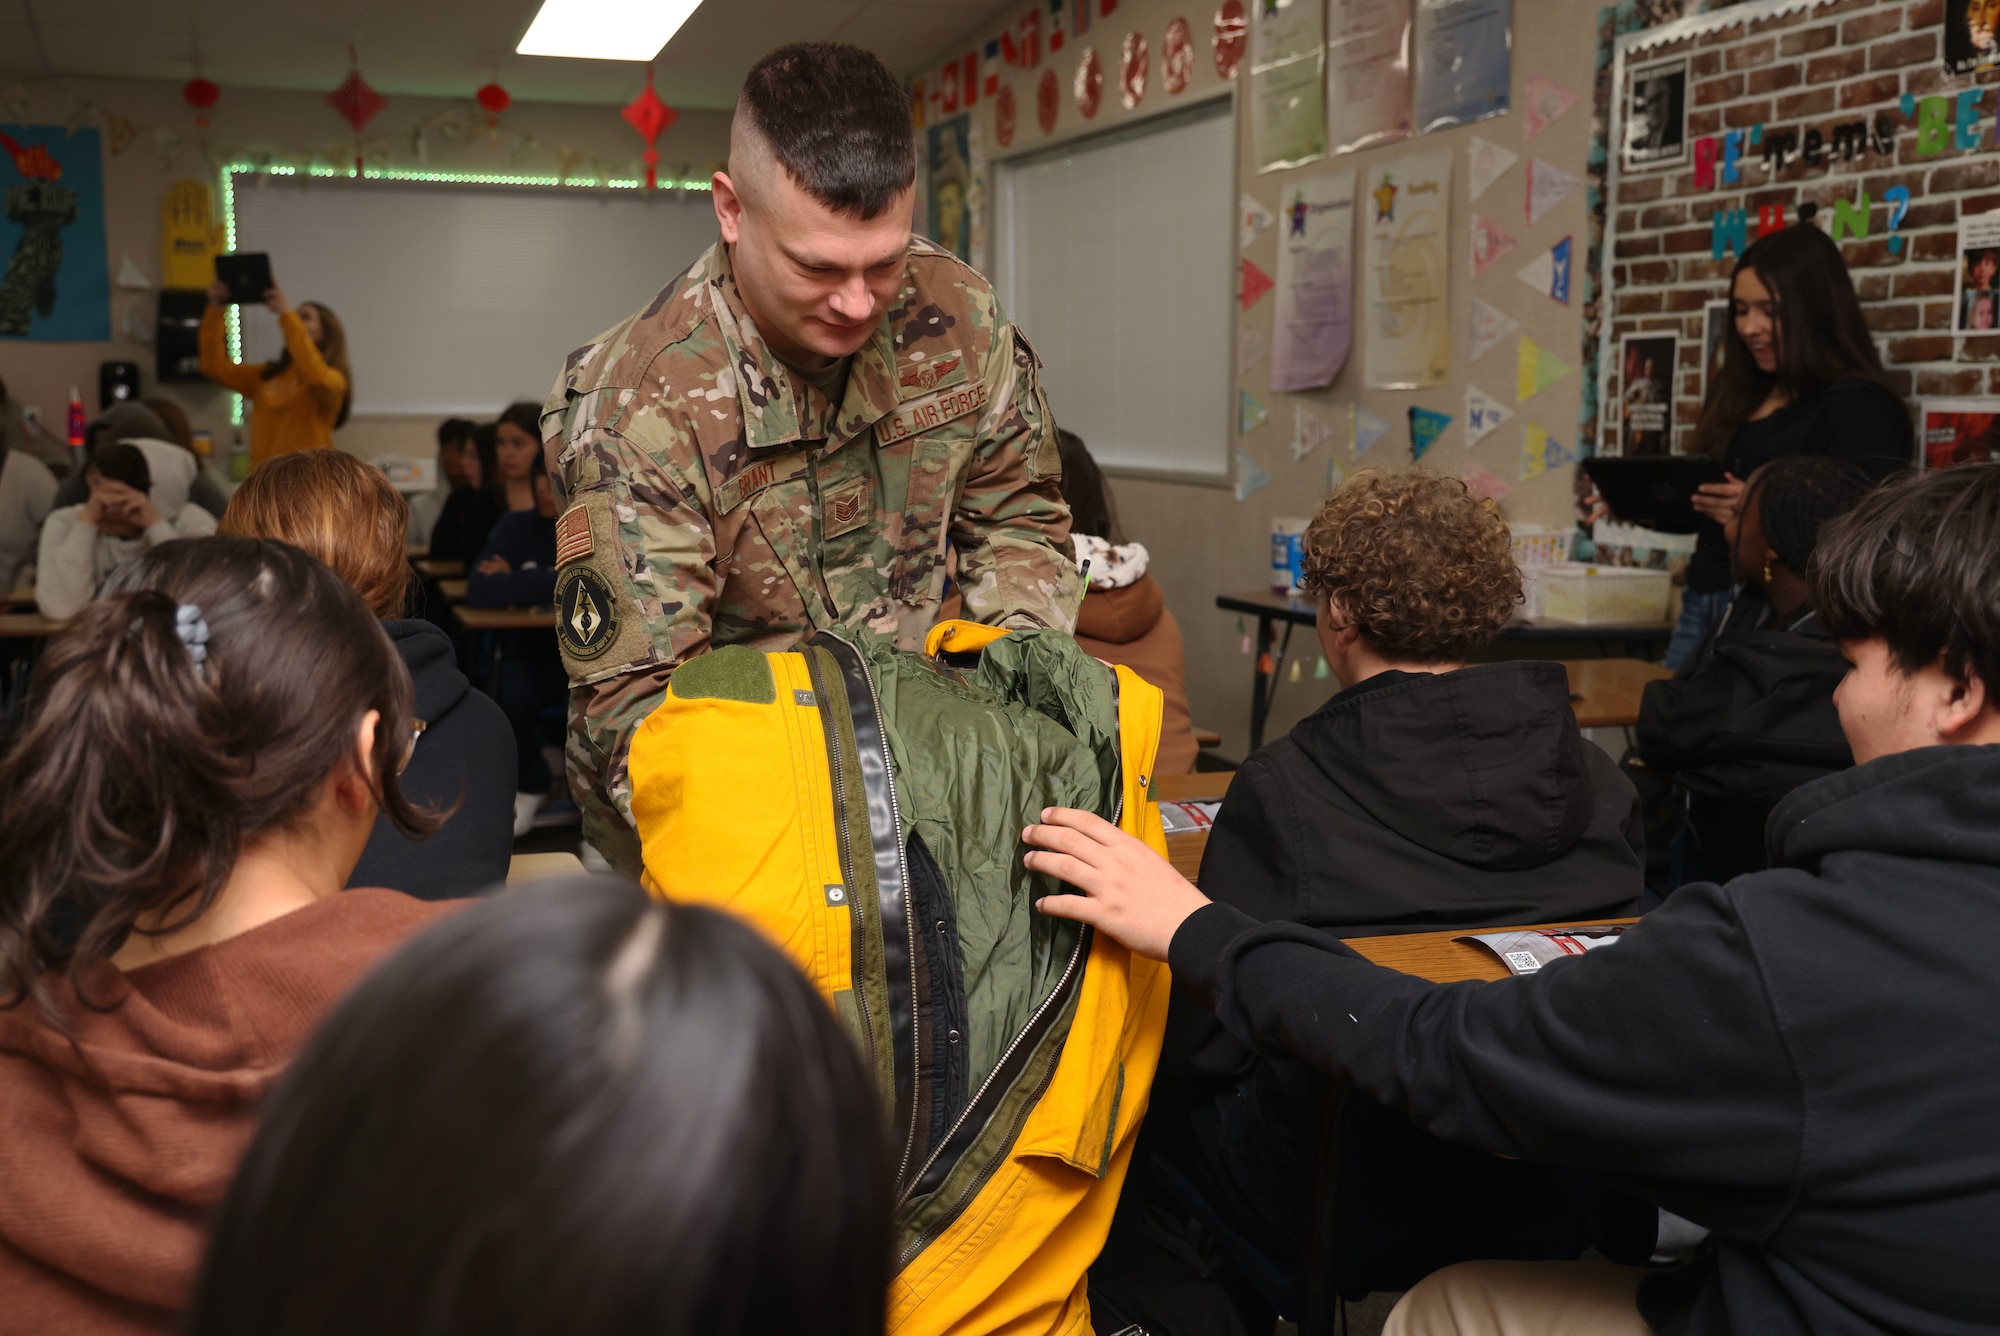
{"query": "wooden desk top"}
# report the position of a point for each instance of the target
(1300, 612)
(1605, 693)
(1439, 958)
(452, 589)
(22, 599)
(535, 867)
(439, 569)
(27, 626)
(505, 619)
(1201, 786)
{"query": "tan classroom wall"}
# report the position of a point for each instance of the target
(296, 128)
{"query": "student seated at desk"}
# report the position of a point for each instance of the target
(470, 510)
(1799, 1061)
(457, 470)
(576, 1110)
(138, 500)
(1751, 716)
(205, 753)
(346, 512)
(517, 569)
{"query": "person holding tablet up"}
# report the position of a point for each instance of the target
(299, 398)
(1799, 375)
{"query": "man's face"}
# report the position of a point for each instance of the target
(460, 463)
(816, 282)
(1881, 707)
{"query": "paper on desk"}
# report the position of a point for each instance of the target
(1187, 818)
(1526, 952)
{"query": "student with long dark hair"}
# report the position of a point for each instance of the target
(206, 750)
(517, 456)
(299, 398)
(471, 510)
(579, 1110)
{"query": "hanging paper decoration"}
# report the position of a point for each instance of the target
(493, 99)
(1298, 667)
(1252, 220)
(357, 104)
(1541, 452)
(1486, 483)
(1549, 274)
(1489, 243)
(201, 94)
(1546, 100)
(1004, 116)
(1425, 428)
(1232, 34)
(1482, 414)
(1335, 475)
(1309, 431)
(649, 116)
(1321, 673)
(1539, 369)
(1255, 283)
(1490, 328)
(1252, 346)
(1486, 162)
(1547, 187)
(1088, 87)
(1363, 429)
(1250, 414)
(1177, 56)
(1133, 64)
(1048, 101)
(1250, 476)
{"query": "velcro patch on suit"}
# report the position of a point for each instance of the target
(586, 613)
(939, 371)
(573, 536)
(935, 411)
(735, 490)
(848, 507)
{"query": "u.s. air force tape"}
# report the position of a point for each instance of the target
(585, 622)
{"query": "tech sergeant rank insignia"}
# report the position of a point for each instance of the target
(584, 621)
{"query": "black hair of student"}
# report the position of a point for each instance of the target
(123, 462)
(526, 416)
(838, 122)
(455, 431)
(1091, 510)
(1822, 336)
(1796, 496)
(486, 440)
(1913, 566)
(140, 775)
(571, 1110)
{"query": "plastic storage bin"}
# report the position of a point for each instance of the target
(1583, 595)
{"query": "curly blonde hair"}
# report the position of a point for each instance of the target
(1418, 564)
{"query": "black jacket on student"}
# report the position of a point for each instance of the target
(465, 756)
(1805, 1061)
(464, 524)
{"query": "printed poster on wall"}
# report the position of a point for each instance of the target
(56, 286)
(1978, 296)
(949, 203)
(1646, 407)
(1288, 83)
(1969, 39)
(1656, 116)
(1367, 73)
(1405, 272)
(1315, 319)
(1464, 63)
(1958, 431)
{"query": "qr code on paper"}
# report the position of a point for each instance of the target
(1523, 962)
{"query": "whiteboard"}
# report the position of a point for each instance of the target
(1116, 257)
(461, 299)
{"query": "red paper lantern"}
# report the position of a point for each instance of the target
(494, 98)
(649, 116)
(357, 104)
(201, 94)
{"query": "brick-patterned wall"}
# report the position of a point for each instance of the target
(1820, 67)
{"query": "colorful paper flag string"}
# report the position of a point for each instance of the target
(1539, 369)
(1483, 413)
(1425, 428)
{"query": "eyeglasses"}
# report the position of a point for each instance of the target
(417, 727)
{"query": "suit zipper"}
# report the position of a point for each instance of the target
(840, 826)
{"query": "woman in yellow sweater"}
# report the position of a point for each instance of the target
(298, 399)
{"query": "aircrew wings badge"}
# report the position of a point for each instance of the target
(933, 372)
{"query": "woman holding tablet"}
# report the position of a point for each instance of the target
(298, 398)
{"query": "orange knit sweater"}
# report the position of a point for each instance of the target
(294, 410)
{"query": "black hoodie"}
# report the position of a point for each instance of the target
(1806, 1060)
(1431, 800)
(465, 756)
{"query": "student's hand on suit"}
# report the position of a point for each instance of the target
(1720, 500)
(1127, 890)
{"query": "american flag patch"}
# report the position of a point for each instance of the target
(572, 535)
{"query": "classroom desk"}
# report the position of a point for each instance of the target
(27, 626)
(1184, 851)
(1639, 640)
(505, 619)
(439, 569)
(1605, 693)
(539, 867)
(1439, 958)
(21, 600)
(452, 589)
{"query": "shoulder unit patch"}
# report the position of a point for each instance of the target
(586, 622)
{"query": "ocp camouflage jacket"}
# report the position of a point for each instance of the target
(718, 498)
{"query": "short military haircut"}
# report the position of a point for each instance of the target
(838, 122)
(123, 462)
(1421, 567)
(1913, 566)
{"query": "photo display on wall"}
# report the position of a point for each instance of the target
(1958, 431)
(1646, 405)
(1656, 116)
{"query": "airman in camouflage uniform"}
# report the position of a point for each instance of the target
(717, 497)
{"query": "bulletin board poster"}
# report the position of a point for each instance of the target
(1977, 309)
(1970, 42)
(1959, 431)
(1464, 61)
(1406, 271)
(1288, 83)
(1646, 406)
(56, 287)
(948, 164)
(1656, 116)
(1367, 73)
(1314, 325)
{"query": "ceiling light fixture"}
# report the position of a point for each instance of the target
(605, 29)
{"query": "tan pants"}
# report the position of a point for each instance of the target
(1523, 1299)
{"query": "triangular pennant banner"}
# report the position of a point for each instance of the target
(1487, 162)
(1489, 243)
(1255, 284)
(1548, 274)
(1250, 414)
(1425, 428)
(1252, 219)
(1364, 429)
(1486, 483)
(1539, 369)
(1545, 101)
(1253, 345)
(1490, 328)
(1547, 187)
(1482, 414)
(1250, 475)
(1541, 452)
(1309, 432)
(1335, 474)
